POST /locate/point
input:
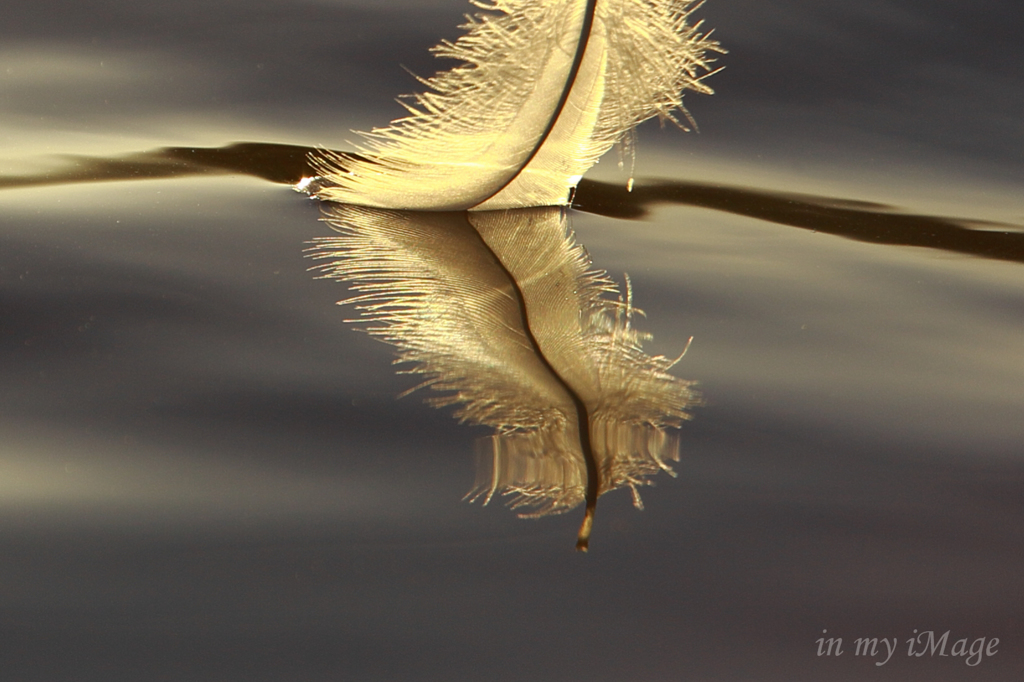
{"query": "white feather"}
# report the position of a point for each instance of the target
(546, 87)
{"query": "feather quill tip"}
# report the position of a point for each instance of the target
(583, 537)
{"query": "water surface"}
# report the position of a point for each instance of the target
(206, 474)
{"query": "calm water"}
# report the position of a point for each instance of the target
(205, 473)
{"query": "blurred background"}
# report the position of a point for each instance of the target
(205, 473)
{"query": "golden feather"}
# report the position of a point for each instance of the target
(543, 91)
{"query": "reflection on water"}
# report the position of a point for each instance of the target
(503, 313)
(477, 304)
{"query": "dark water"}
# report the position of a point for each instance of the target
(205, 473)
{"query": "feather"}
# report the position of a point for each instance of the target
(511, 324)
(545, 88)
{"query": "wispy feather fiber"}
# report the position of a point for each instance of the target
(544, 89)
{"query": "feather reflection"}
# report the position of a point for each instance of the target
(503, 314)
